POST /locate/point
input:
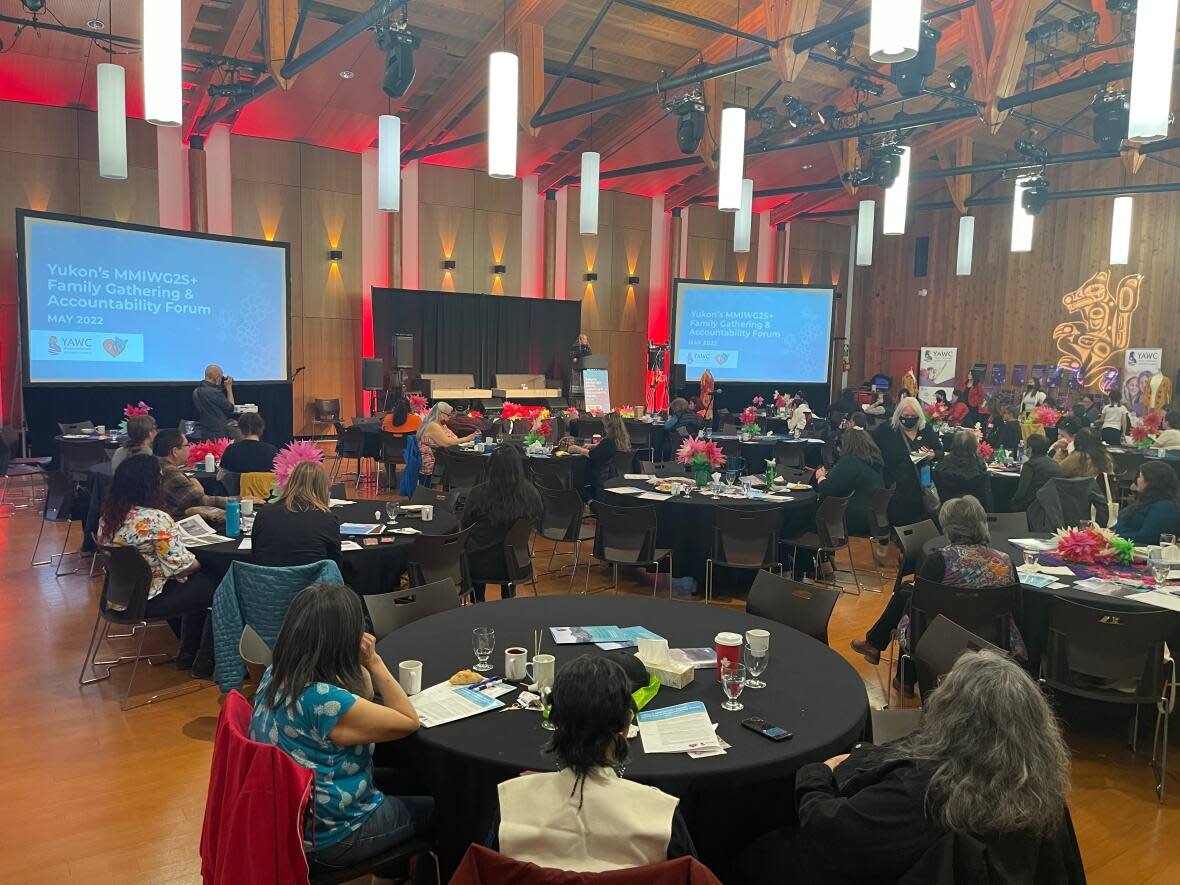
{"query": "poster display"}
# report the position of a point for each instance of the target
(999, 373)
(936, 371)
(596, 383)
(1141, 364)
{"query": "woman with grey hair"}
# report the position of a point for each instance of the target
(907, 445)
(968, 561)
(434, 435)
(981, 786)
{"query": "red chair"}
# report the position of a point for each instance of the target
(482, 866)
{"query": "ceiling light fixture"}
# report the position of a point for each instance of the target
(588, 190)
(1022, 219)
(1111, 118)
(689, 109)
(1151, 70)
(346, 75)
(895, 27)
(96, 24)
(959, 80)
(966, 248)
(162, 87)
(743, 219)
(503, 95)
(389, 163)
(897, 198)
(868, 86)
(33, 6)
(866, 218)
(112, 122)
(1120, 230)
(733, 154)
(398, 44)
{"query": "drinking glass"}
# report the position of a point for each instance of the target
(745, 481)
(391, 510)
(756, 661)
(731, 477)
(483, 643)
(1167, 540)
(716, 489)
(1030, 558)
(733, 680)
(1085, 524)
(1160, 568)
(546, 693)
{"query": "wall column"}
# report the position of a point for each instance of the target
(561, 245)
(532, 239)
(780, 252)
(658, 278)
(172, 166)
(767, 245)
(550, 219)
(374, 246)
(198, 194)
(676, 236)
(395, 250)
(409, 227)
(219, 181)
(784, 237)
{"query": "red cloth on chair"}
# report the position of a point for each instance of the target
(253, 831)
(482, 866)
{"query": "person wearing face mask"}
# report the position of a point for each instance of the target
(907, 445)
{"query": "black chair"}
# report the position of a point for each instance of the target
(831, 535)
(789, 454)
(393, 453)
(805, 607)
(640, 433)
(552, 473)
(448, 501)
(389, 611)
(390, 864)
(562, 521)
(440, 558)
(325, 411)
(627, 536)
(337, 491)
(1007, 525)
(912, 539)
(942, 643)
(745, 538)
(350, 444)
(587, 427)
(25, 473)
(75, 427)
(462, 470)
(77, 457)
(1065, 502)
(517, 562)
(122, 604)
(623, 463)
(661, 469)
(1117, 657)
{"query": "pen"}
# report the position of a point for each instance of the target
(486, 682)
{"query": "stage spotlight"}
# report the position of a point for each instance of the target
(1112, 115)
(1122, 7)
(829, 115)
(1035, 195)
(1045, 31)
(886, 161)
(797, 113)
(1087, 21)
(1031, 151)
(871, 87)
(689, 109)
(959, 80)
(231, 90)
(910, 76)
(398, 44)
(841, 46)
(33, 6)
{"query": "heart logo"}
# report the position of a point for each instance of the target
(114, 346)
(721, 358)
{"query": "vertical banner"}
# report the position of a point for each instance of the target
(597, 385)
(1141, 363)
(936, 371)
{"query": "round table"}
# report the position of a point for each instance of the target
(372, 569)
(1003, 484)
(685, 524)
(811, 691)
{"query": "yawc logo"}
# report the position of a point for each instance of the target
(54, 347)
(114, 346)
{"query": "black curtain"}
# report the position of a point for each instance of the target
(482, 335)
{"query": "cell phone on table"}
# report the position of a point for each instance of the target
(764, 728)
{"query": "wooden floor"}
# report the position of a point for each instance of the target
(95, 795)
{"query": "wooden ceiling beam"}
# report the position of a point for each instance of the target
(846, 156)
(960, 155)
(279, 18)
(711, 140)
(979, 33)
(1006, 62)
(785, 18)
(786, 212)
(239, 17)
(530, 42)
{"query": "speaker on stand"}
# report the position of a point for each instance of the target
(401, 351)
(372, 380)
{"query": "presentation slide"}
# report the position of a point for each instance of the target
(104, 303)
(753, 333)
(596, 383)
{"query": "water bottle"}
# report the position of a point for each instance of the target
(233, 519)
(209, 465)
(1020, 452)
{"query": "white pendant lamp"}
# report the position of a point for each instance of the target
(1120, 230)
(1151, 70)
(866, 217)
(389, 163)
(162, 89)
(112, 122)
(966, 250)
(895, 27)
(503, 96)
(733, 155)
(897, 199)
(743, 220)
(588, 210)
(1022, 221)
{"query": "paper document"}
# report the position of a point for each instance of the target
(677, 729)
(1061, 570)
(582, 635)
(195, 532)
(360, 528)
(1032, 579)
(1032, 544)
(444, 703)
(1108, 588)
(633, 635)
(349, 545)
(1166, 599)
(642, 476)
(654, 496)
(337, 502)
(246, 544)
(626, 490)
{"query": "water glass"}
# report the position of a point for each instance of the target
(731, 477)
(1085, 524)
(1167, 540)
(745, 481)
(391, 510)
(757, 656)
(733, 680)
(483, 643)
(1160, 568)
(1030, 559)
(546, 693)
(716, 489)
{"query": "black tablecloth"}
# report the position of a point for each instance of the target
(1126, 460)
(375, 569)
(685, 525)
(811, 691)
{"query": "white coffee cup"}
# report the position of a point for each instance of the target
(542, 670)
(247, 506)
(515, 664)
(758, 640)
(427, 512)
(100, 429)
(409, 674)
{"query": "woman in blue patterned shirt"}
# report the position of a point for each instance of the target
(315, 703)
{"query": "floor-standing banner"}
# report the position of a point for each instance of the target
(936, 371)
(1141, 363)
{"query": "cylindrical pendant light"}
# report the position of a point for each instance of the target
(503, 95)
(895, 27)
(866, 218)
(1022, 221)
(588, 211)
(1151, 70)
(389, 163)
(733, 155)
(162, 89)
(112, 122)
(1120, 230)
(966, 250)
(743, 220)
(897, 198)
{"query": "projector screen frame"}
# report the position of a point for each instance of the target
(673, 326)
(22, 290)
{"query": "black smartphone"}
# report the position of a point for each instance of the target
(767, 730)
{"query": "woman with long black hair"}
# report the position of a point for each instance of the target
(1156, 509)
(491, 510)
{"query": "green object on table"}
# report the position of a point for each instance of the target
(700, 474)
(770, 477)
(1124, 549)
(644, 696)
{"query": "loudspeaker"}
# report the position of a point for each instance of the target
(403, 351)
(921, 255)
(676, 380)
(910, 76)
(372, 374)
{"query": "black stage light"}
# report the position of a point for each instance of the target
(1112, 116)
(399, 45)
(910, 76)
(871, 87)
(796, 112)
(887, 161)
(1087, 21)
(1044, 31)
(33, 6)
(1035, 195)
(829, 115)
(841, 46)
(959, 80)
(689, 109)
(1031, 151)
(1122, 7)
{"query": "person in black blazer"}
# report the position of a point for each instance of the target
(1005, 430)
(1036, 471)
(299, 528)
(907, 434)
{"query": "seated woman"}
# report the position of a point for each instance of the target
(1034, 473)
(491, 509)
(1005, 430)
(680, 417)
(141, 432)
(1089, 457)
(299, 528)
(133, 516)
(968, 561)
(1156, 509)
(316, 703)
(1067, 431)
(962, 471)
(856, 476)
(602, 454)
(433, 435)
(250, 454)
(586, 817)
(989, 762)
(402, 419)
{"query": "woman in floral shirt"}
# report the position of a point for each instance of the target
(131, 517)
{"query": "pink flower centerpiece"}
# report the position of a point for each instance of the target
(703, 456)
(749, 421)
(1091, 546)
(214, 447)
(292, 454)
(136, 411)
(418, 403)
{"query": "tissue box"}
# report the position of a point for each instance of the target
(672, 674)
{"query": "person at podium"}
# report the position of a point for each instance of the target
(578, 351)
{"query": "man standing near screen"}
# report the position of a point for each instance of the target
(214, 402)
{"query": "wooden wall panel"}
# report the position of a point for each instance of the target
(331, 221)
(710, 248)
(445, 231)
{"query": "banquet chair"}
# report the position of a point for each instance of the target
(640, 433)
(789, 454)
(804, 607)
(517, 561)
(627, 536)
(830, 535)
(551, 472)
(912, 539)
(448, 501)
(350, 445)
(441, 557)
(325, 411)
(122, 604)
(1007, 525)
(253, 648)
(389, 611)
(745, 538)
(75, 427)
(461, 470)
(26, 472)
(1115, 656)
(483, 866)
(77, 457)
(393, 453)
(256, 484)
(661, 468)
(588, 426)
(879, 528)
(943, 642)
(623, 463)
(563, 521)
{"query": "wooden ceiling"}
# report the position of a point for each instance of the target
(631, 48)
